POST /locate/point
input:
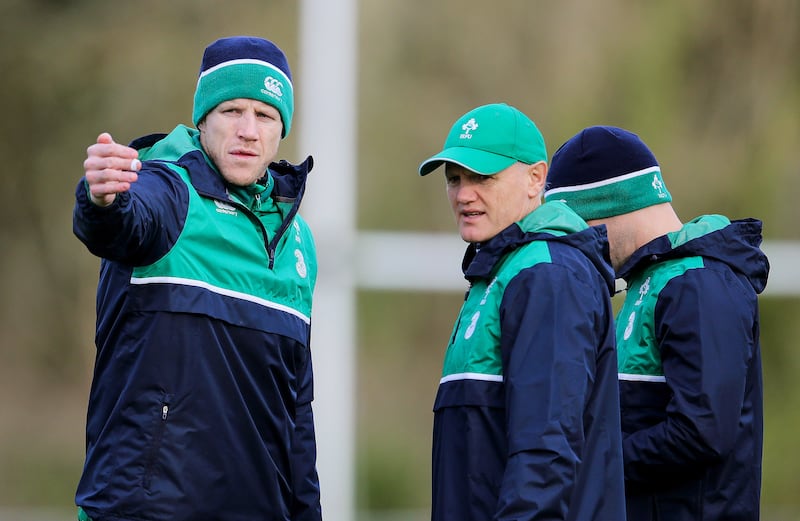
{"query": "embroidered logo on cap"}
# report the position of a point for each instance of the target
(468, 127)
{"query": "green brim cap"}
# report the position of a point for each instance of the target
(489, 139)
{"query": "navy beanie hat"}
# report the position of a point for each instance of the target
(605, 171)
(244, 67)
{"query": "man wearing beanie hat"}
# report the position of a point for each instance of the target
(200, 407)
(687, 333)
(526, 418)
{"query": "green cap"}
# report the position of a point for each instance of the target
(489, 139)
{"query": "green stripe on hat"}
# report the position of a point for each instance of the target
(614, 196)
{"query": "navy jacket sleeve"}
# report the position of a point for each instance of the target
(548, 346)
(704, 330)
(306, 506)
(141, 224)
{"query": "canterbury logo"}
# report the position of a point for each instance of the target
(225, 208)
(272, 87)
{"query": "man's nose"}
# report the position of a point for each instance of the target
(465, 193)
(247, 126)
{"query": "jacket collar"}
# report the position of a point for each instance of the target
(552, 221)
(735, 243)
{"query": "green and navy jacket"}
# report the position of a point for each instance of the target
(200, 406)
(690, 373)
(526, 418)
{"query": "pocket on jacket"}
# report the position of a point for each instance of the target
(159, 427)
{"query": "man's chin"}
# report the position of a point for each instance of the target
(239, 178)
(471, 236)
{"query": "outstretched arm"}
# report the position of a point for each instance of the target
(125, 211)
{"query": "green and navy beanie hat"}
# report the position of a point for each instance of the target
(605, 171)
(244, 67)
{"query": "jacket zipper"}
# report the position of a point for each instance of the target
(264, 234)
(155, 448)
(270, 250)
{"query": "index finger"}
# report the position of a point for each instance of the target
(106, 147)
(105, 137)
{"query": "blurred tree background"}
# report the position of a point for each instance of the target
(713, 87)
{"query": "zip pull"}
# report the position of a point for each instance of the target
(258, 201)
(164, 412)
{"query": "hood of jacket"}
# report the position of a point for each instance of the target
(735, 243)
(551, 221)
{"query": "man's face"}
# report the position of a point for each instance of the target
(486, 205)
(241, 136)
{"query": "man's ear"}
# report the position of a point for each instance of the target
(538, 177)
